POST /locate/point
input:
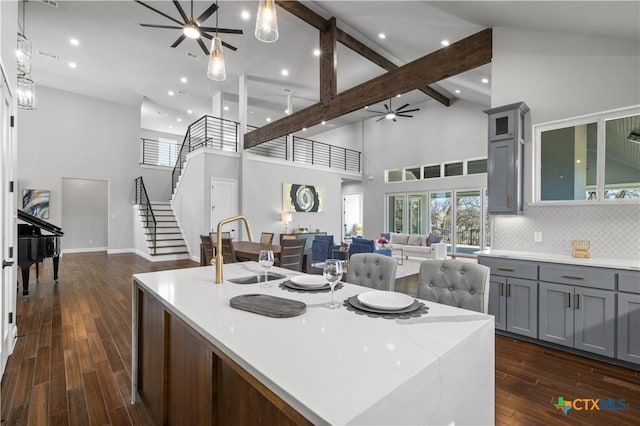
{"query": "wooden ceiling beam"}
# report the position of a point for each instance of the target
(464, 55)
(328, 63)
(312, 18)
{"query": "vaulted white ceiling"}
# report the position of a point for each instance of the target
(121, 61)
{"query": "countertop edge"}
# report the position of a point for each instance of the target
(626, 264)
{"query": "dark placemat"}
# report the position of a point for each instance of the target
(414, 310)
(271, 306)
(293, 287)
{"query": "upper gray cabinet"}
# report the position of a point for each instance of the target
(505, 158)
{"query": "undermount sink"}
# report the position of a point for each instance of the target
(258, 278)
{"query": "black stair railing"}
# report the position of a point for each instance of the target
(149, 219)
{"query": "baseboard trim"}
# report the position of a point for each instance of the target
(84, 250)
(118, 251)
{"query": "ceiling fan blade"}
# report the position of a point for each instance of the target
(220, 30)
(205, 35)
(377, 112)
(410, 110)
(228, 46)
(207, 13)
(203, 46)
(381, 118)
(161, 26)
(161, 13)
(181, 11)
(386, 107)
(403, 115)
(403, 106)
(179, 40)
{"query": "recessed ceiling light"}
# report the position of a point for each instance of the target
(251, 112)
(269, 119)
(323, 122)
(170, 92)
(245, 15)
(304, 129)
(226, 108)
(457, 90)
(382, 36)
(73, 65)
(74, 42)
(366, 106)
(485, 80)
(444, 42)
(316, 52)
(284, 72)
(183, 79)
(398, 95)
(189, 111)
(286, 111)
(171, 127)
(179, 120)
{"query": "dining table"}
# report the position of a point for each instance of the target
(196, 359)
(250, 250)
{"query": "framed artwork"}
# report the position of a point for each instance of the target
(36, 202)
(302, 198)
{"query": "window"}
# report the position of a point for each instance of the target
(595, 158)
(477, 166)
(431, 171)
(453, 169)
(394, 175)
(412, 173)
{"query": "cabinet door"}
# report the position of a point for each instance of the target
(556, 313)
(501, 178)
(629, 327)
(501, 125)
(498, 301)
(594, 313)
(522, 307)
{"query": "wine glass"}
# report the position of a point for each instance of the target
(332, 273)
(266, 261)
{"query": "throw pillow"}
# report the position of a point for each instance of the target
(414, 240)
(399, 238)
(423, 240)
(433, 238)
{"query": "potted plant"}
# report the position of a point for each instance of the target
(382, 242)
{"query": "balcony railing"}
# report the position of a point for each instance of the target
(276, 148)
(158, 153)
(308, 151)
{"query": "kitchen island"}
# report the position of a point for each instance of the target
(196, 360)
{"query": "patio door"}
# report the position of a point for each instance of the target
(352, 214)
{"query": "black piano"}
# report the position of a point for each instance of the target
(33, 247)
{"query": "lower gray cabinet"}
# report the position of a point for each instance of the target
(629, 327)
(513, 303)
(578, 317)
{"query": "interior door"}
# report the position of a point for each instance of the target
(7, 226)
(224, 202)
(352, 214)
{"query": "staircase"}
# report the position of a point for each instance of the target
(168, 238)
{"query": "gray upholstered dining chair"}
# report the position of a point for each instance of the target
(266, 238)
(372, 270)
(455, 283)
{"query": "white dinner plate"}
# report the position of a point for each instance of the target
(385, 300)
(310, 281)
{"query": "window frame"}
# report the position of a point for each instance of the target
(600, 119)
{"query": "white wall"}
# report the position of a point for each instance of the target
(77, 136)
(561, 76)
(349, 136)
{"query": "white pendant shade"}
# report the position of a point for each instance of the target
(267, 22)
(216, 70)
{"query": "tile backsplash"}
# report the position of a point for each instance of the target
(614, 230)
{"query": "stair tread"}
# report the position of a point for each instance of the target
(167, 254)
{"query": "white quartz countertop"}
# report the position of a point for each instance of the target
(337, 366)
(556, 258)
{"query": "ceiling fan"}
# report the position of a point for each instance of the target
(192, 28)
(391, 114)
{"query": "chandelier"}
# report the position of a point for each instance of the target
(26, 90)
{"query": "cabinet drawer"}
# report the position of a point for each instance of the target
(578, 275)
(510, 268)
(629, 281)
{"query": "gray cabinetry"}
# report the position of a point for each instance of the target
(513, 295)
(505, 158)
(629, 327)
(578, 317)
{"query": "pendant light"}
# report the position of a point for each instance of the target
(216, 69)
(26, 88)
(267, 22)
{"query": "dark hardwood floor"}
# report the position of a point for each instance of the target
(71, 364)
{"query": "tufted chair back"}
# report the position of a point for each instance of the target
(372, 270)
(452, 282)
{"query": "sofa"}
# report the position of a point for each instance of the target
(362, 245)
(427, 246)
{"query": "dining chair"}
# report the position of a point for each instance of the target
(372, 270)
(287, 237)
(455, 283)
(206, 254)
(228, 254)
(291, 254)
(266, 238)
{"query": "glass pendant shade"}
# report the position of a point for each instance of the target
(23, 54)
(267, 22)
(216, 70)
(26, 92)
